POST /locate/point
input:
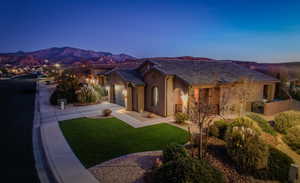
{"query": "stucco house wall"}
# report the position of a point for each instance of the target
(155, 78)
(230, 95)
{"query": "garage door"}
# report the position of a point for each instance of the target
(119, 95)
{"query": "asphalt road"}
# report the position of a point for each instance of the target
(16, 117)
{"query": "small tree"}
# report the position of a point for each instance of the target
(202, 113)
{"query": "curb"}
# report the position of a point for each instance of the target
(41, 163)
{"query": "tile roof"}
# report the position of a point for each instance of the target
(198, 72)
(130, 75)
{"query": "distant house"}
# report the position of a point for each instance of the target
(167, 87)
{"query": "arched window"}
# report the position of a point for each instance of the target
(154, 96)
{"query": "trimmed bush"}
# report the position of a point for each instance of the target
(218, 129)
(87, 94)
(173, 152)
(106, 112)
(181, 117)
(187, 170)
(292, 138)
(262, 123)
(246, 149)
(286, 120)
(278, 166)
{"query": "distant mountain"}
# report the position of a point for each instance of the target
(180, 58)
(63, 55)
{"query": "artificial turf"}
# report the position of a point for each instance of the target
(97, 140)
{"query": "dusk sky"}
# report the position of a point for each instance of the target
(242, 29)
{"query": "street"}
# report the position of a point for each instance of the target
(17, 112)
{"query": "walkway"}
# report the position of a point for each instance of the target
(65, 166)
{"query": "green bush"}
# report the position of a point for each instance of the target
(101, 90)
(174, 151)
(286, 120)
(66, 89)
(245, 122)
(218, 129)
(296, 94)
(246, 149)
(292, 138)
(181, 117)
(87, 94)
(278, 167)
(262, 123)
(187, 170)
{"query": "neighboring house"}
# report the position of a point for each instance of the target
(167, 87)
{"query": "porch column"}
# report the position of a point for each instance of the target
(111, 94)
(129, 99)
(271, 92)
(140, 96)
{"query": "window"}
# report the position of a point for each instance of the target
(154, 96)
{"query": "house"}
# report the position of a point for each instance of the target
(170, 86)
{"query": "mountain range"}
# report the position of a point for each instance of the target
(73, 56)
(62, 55)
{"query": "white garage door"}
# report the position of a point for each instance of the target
(119, 94)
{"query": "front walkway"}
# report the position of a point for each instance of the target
(65, 166)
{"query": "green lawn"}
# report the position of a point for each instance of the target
(98, 140)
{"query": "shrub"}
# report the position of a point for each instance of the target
(292, 138)
(87, 94)
(262, 123)
(246, 149)
(187, 170)
(286, 120)
(66, 89)
(181, 117)
(107, 112)
(296, 94)
(173, 152)
(150, 115)
(278, 167)
(245, 122)
(102, 91)
(218, 129)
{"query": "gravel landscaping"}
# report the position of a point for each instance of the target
(126, 169)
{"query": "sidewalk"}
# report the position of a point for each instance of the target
(65, 166)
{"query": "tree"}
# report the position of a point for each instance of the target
(203, 114)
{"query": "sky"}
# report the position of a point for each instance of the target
(256, 30)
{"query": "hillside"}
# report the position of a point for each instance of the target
(63, 55)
